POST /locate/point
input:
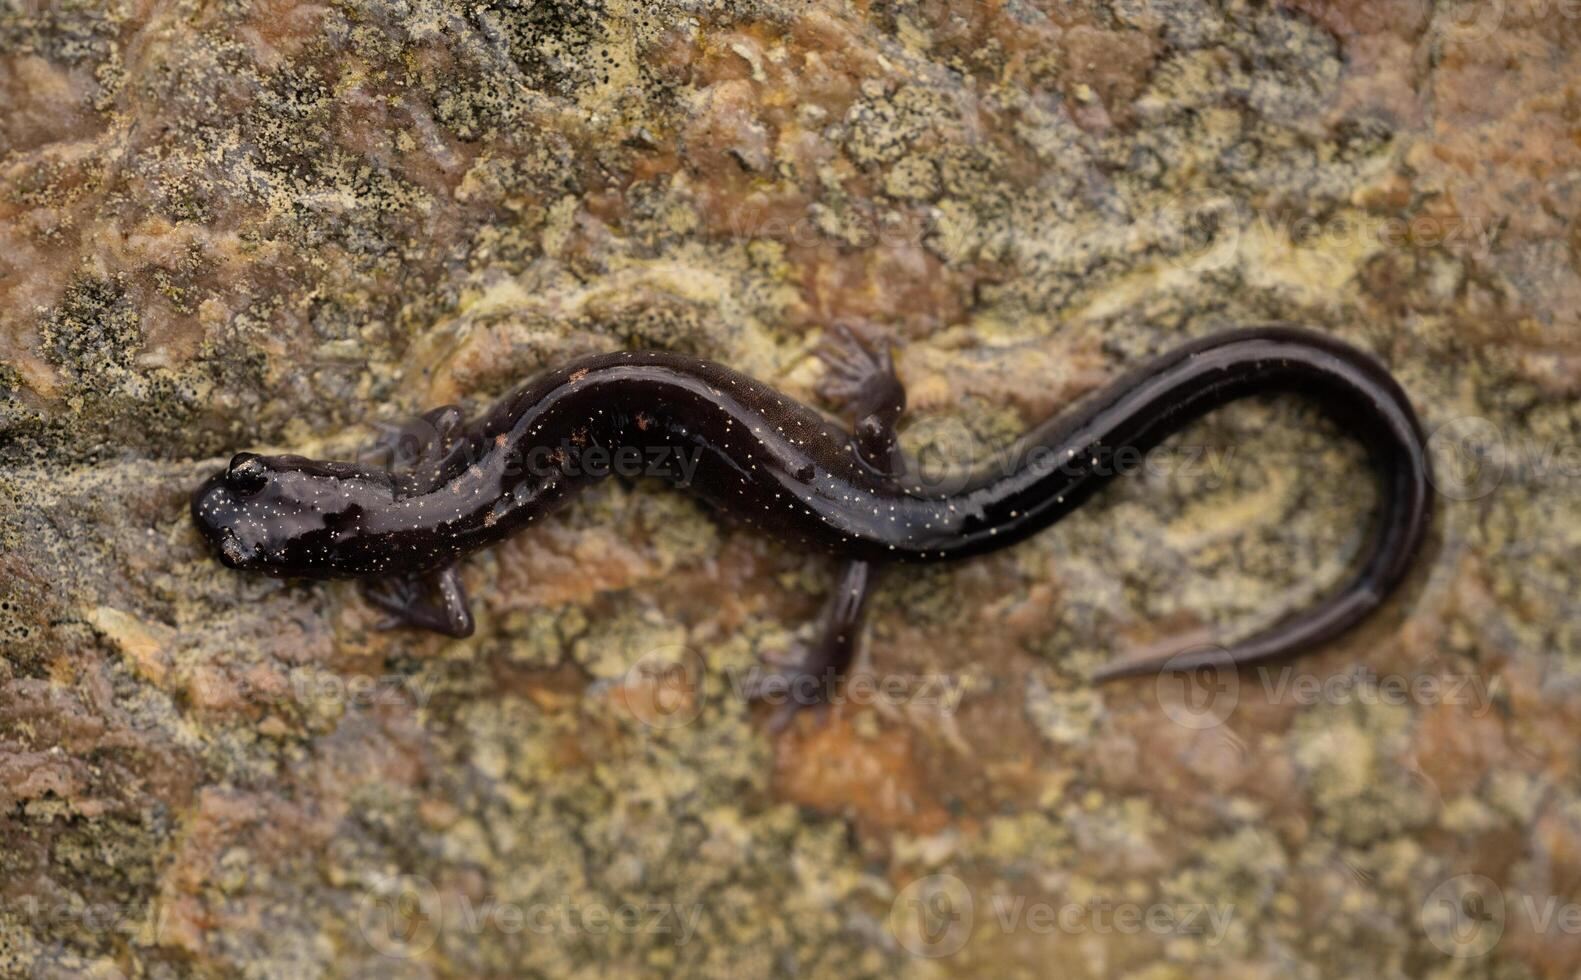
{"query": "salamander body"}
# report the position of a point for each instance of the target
(784, 468)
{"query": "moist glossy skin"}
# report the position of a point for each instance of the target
(779, 466)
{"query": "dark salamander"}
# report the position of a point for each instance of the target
(783, 468)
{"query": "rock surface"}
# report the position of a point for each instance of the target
(272, 225)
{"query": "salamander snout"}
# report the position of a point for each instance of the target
(219, 511)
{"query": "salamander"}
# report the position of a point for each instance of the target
(402, 524)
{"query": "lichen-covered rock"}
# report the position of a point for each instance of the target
(273, 225)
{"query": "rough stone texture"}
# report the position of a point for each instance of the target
(272, 224)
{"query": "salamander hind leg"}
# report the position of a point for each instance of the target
(812, 677)
(406, 599)
(864, 383)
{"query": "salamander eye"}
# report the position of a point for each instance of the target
(246, 474)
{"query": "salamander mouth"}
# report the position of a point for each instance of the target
(234, 553)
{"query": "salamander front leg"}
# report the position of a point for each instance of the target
(864, 383)
(405, 598)
(419, 442)
(812, 680)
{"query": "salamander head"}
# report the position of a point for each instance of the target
(286, 515)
